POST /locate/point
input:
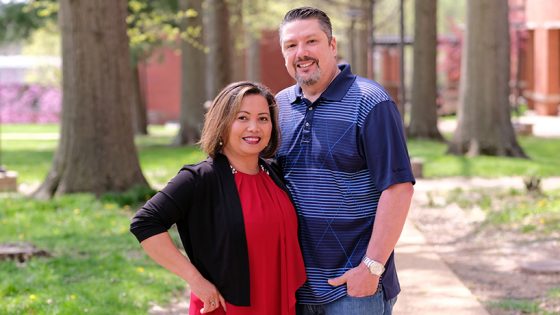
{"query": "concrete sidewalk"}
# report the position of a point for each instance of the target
(428, 285)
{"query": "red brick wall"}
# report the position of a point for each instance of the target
(273, 71)
(161, 78)
(543, 21)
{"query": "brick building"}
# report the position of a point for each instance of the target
(535, 64)
(542, 75)
(160, 77)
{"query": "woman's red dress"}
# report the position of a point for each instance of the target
(275, 263)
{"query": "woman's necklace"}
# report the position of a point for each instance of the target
(234, 171)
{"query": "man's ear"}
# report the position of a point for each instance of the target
(332, 44)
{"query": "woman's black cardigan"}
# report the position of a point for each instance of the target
(203, 201)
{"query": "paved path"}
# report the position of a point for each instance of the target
(428, 284)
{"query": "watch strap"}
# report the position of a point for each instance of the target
(376, 268)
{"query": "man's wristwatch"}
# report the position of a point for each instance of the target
(376, 268)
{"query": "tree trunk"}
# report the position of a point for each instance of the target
(96, 152)
(253, 41)
(360, 64)
(139, 113)
(218, 73)
(237, 41)
(423, 114)
(370, 26)
(351, 46)
(484, 116)
(193, 59)
(253, 59)
(401, 103)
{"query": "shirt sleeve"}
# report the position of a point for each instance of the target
(384, 146)
(165, 208)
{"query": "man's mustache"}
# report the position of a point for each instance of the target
(306, 58)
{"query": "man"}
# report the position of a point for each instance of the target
(345, 161)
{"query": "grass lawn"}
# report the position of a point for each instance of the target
(544, 160)
(97, 266)
(28, 149)
(512, 208)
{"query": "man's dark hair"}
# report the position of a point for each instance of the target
(306, 13)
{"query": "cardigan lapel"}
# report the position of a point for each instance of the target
(232, 203)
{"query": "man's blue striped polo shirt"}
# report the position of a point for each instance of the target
(338, 154)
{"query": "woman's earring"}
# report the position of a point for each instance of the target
(220, 143)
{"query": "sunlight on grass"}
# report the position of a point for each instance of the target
(29, 149)
(523, 306)
(540, 213)
(527, 213)
(160, 161)
(29, 128)
(94, 261)
(30, 155)
(96, 265)
(554, 293)
(544, 162)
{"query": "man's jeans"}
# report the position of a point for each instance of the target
(348, 305)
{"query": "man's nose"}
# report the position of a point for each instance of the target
(301, 51)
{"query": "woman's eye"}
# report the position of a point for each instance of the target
(264, 118)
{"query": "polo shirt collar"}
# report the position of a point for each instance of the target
(335, 91)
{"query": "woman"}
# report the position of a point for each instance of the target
(233, 214)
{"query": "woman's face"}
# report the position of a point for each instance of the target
(250, 131)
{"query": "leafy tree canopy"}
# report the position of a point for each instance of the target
(150, 23)
(18, 20)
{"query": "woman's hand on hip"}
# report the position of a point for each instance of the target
(208, 293)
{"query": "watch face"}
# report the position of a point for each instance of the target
(376, 269)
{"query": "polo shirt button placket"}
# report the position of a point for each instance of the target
(306, 138)
(306, 133)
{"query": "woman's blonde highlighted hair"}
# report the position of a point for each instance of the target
(223, 111)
